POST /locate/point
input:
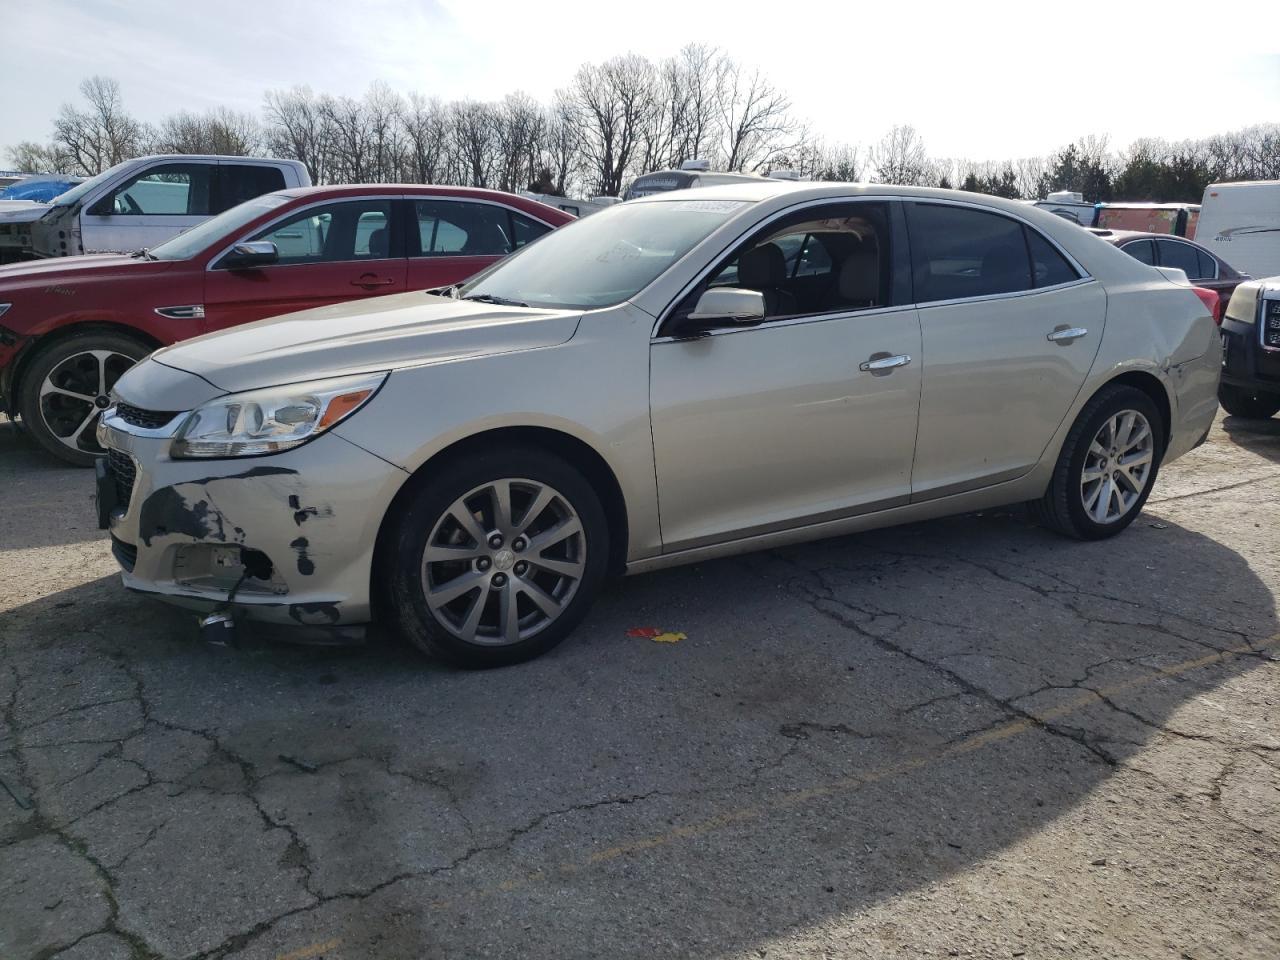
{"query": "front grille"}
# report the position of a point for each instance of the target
(147, 419)
(124, 471)
(1271, 323)
(126, 554)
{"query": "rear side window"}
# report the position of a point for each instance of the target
(171, 190)
(1048, 267)
(1141, 250)
(959, 252)
(238, 182)
(524, 230)
(460, 228)
(1181, 255)
(1208, 266)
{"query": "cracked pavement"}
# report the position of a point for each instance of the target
(959, 738)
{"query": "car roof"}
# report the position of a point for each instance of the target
(541, 210)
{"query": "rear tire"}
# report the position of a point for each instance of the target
(1248, 403)
(495, 558)
(1106, 468)
(64, 390)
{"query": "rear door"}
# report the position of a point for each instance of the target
(329, 252)
(238, 182)
(450, 240)
(155, 203)
(1010, 327)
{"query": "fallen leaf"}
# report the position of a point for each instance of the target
(669, 638)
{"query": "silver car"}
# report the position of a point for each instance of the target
(676, 378)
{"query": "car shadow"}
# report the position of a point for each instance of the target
(842, 724)
(1257, 436)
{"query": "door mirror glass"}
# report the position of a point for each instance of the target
(728, 305)
(104, 207)
(251, 253)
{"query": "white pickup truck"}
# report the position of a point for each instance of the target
(140, 203)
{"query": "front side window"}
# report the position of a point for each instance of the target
(331, 232)
(460, 228)
(172, 190)
(830, 259)
(238, 182)
(1180, 255)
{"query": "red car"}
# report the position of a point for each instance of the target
(1202, 266)
(70, 327)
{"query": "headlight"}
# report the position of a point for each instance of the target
(272, 419)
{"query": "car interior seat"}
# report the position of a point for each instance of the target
(764, 268)
(379, 246)
(859, 282)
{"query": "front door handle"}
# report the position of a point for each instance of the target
(883, 363)
(1066, 334)
(372, 280)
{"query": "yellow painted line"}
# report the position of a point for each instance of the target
(969, 744)
(315, 950)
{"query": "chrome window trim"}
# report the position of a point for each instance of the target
(213, 262)
(1198, 250)
(1085, 276)
(794, 321)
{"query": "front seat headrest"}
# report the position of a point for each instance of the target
(762, 267)
(859, 280)
(378, 243)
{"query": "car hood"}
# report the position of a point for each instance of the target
(380, 334)
(21, 211)
(72, 268)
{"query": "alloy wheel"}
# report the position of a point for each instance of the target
(503, 562)
(75, 393)
(1117, 466)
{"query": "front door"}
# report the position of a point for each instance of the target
(328, 253)
(158, 202)
(1010, 328)
(786, 423)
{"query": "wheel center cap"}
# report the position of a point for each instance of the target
(101, 403)
(504, 560)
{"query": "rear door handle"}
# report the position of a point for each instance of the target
(1066, 334)
(884, 363)
(372, 280)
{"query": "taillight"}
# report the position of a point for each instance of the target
(1212, 302)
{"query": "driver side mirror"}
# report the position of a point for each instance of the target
(725, 307)
(104, 207)
(251, 253)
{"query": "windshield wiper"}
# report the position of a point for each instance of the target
(501, 301)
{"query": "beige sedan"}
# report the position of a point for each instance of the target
(676, 378)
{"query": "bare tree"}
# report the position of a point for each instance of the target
(756, 126)
(385, 141)
(221, 131)
(900, 157)
(562, 144)
(30, 157)
(296, 129)
(426, 133)
(102, 134)
(614, 106)
(473, 132)
(517, 137)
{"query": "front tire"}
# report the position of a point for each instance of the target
(1106, 468)
(497, 557)
(65, 388)
(1248, 403)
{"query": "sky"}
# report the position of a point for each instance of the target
(979, 80)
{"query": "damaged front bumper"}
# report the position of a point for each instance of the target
(292, 534)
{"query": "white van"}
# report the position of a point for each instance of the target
(1240, 222)
(145, 201)
(1069, 205)
(692, 173)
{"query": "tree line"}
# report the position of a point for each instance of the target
(616, 120)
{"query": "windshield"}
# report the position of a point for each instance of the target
(186, 245)
(75, 193)
(603, 259)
